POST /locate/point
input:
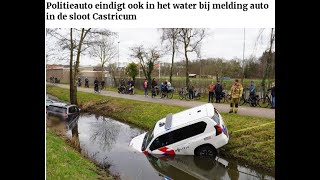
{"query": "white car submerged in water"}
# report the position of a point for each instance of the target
(196, 131)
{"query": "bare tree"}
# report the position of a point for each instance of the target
(57, 47)
(268, 64)
(83, 44)
(73, 85)
(147, 58)
(70, 41)
(113, 71)
(77, 41)
(170, 35)
(191, 38)
(104, 49)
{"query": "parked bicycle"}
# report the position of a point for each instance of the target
(223, 97)
(252, 100)
(227, 97)
(265, 101)
(168, 93)
(183, 94)
(196, 95)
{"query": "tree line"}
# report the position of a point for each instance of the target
(218, 67)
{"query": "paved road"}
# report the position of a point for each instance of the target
(251, 111)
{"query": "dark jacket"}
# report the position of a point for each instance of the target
(252, 89)
(218, 88)
(96, 82)
(273, 90)
(153, 84)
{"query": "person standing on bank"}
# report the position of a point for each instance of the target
(211, 91)
(273, 93)
(218, 90)
(252, 93)
(153, 88)
(96, 85)
(103, 87)
(191, 91)
(236, 93)
(145, 86)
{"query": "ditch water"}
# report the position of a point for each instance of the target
(107, 141)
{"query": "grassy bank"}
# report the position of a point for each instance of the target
(64, 162)
(254, 146)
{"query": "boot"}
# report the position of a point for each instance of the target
(231, 108)
(236, 108)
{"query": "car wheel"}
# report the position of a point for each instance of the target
(206, 151)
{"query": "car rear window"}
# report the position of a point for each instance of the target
(57, 109)
(216, 116)
(72, 109)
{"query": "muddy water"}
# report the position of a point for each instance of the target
(106, 141)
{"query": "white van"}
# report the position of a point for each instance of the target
(195, 131)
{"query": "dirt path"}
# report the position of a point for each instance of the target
(251, 111)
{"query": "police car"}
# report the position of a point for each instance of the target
(196, 131)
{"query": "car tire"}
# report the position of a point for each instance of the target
(206, 151)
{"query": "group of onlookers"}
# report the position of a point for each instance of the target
(215, 90)
(237, 92)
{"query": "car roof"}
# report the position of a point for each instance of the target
(186, 116)
(59, 104)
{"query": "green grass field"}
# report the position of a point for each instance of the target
(254, 147)
(64, 162)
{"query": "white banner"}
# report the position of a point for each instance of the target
(160, 13)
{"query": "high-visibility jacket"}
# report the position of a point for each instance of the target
(236, 91)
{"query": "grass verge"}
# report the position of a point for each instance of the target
(255, 147)
(64, 162)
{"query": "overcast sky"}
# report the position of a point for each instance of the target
(219, 43)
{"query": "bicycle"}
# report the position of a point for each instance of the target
(196, 95)
(249, 100)
(223, 97)
(265, 101)
(183, 94)
(227, 98)
(86, 85)
(103, 87)
(168, 94)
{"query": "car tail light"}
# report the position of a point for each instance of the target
(218, 129)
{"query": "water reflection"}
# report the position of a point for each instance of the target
(188, 167)
(73, 126)
(191, 167)
(104, 133)
(233, 170)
